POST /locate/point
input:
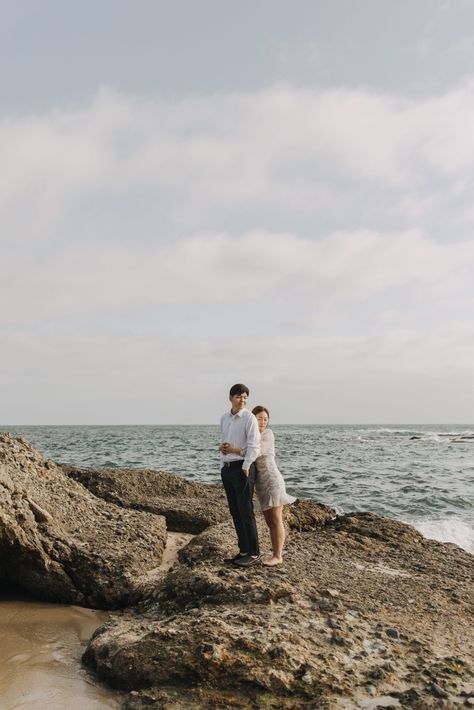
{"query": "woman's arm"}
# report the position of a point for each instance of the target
(268, 443)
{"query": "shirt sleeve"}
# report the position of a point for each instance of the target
(221, 432)
(253, 443)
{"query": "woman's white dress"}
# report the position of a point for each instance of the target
(269, 483)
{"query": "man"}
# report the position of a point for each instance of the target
(240, 447)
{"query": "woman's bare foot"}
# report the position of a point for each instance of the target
(273, 561)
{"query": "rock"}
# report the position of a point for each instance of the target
(41, 515)
(438, 691)
(376, 673)
(187, 506)
(315, 633)
(62, 544)
(307, 515)
(261, 637)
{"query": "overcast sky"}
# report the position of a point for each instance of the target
(196, 193)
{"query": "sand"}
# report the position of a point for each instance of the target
(40, 651)
(40, 657)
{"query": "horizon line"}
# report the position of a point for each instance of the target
(367, 423)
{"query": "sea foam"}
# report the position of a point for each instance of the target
(449, 530)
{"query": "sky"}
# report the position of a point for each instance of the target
(198, 193)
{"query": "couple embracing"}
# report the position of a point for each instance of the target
(247, 462)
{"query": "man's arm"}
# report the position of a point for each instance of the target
(221, 430)
(253, 443)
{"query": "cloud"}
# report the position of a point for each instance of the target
(331, 231)
(187, 164)
(396, 376)
(332, 273)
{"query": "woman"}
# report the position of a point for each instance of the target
(270, 487)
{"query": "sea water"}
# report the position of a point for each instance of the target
(422, 475)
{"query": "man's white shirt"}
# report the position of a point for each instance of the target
(240, 430)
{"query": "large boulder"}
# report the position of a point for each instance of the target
(187, 506)
(365, 612)
(63, 544)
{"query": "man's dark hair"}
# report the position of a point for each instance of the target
(239, 389)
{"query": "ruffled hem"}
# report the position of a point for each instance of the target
(273, 502)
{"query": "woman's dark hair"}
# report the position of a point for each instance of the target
(239, 389)
(259, 408)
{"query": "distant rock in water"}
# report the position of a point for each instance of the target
(365, 611)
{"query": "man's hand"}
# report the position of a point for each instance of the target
(226, 448)
(246, 472)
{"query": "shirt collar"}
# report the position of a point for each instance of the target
(237, 414)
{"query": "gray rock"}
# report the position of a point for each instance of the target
(208, 636)
(438, 691)
(62, 544)
(268, 632)
(187, 506)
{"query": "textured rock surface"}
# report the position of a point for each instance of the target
(364, 608)
(365, 612)
(63, 544)
(187, 506)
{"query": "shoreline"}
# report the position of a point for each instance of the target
(350, 468)
(364, 607)
(40, 657)
(42, 645)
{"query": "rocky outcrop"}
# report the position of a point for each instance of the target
(187, 506)
(63, 544)
(365, 612)
(364, 608)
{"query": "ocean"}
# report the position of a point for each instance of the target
(422, 475)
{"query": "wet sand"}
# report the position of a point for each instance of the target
(40, 657)
(41, 647)
(174, 543)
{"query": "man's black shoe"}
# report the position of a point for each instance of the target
(238, 556)
(247, 561)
